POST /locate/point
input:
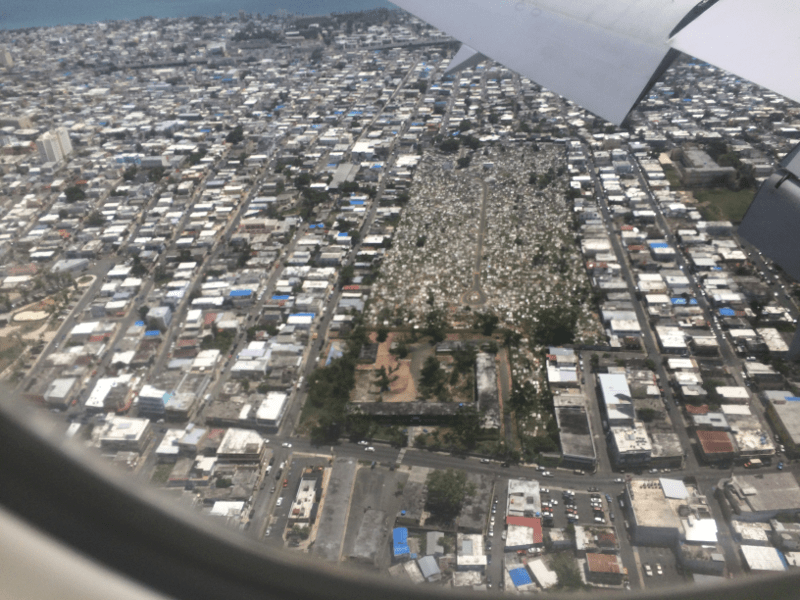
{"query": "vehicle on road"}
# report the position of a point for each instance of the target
(268, 531)
(369, 449)
(485, 460)
(780, 465)
(286, 445)
(363, 443)
(279, 501)
(546, 474)
(647, 570)
(285, 482)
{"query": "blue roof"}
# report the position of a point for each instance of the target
(400, 541)
(152, 333)
(693, 301)
(659, 245)
(281, 297)
(357, 202)
(139, 323)
(312, 315)
(792, 399)
(727, 312)
(678, 300)
(520, 577)
(240, 293)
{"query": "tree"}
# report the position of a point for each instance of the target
(567, 571)
(486, 322)
(556, 326)
(646, 414)
(95, 219)
(463, 162)
(382, 379)
(450, 145)
(446, 491)
(435, 325)
(74, 193)
(383, 333)
(465, 125)
(431, 376)
(236, 135)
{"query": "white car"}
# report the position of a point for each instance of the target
(546, 474)
(279, 501)
(647, 570)
(369, 449)
(619, 480)
(286, 445)
(363, 443)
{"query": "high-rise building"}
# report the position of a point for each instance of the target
(5, 58)
(49, 148)
(55, 145)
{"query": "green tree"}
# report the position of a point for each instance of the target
(95, 219)
(435, 325)
(463, 162)
(74, 194)
(486, 322)
(450, 145)
(446, 492)
(236, 135)
(556, 326)
(646, 414)
(465, 125)
(383, 333)
(431, 376)
(130, 173)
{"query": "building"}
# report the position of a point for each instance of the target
(241, 446)
(524, 499)
(665, 512)
(523, 533)
(763, 559)
(270, 411)
(696, 168)
(605, 569)
(630, 446)
(486, 391)
(470, 553)
(760, 497)
(54, 146)
(304, 507)
(125, 434)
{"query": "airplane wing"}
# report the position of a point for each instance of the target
(602, 55)
(758, 41)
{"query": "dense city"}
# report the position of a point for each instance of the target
(446, 327)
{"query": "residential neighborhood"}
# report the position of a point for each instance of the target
(449, 328)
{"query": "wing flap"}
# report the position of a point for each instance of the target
(600, 55)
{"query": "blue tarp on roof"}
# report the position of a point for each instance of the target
(334, 353)
(312, 315)
(678, 300)
(520, 577)
(659, 245)
(152, 333)
(356, 202)
(139, 323)
(281, 297)
(240, 293)
(400, 541)
(727, 312)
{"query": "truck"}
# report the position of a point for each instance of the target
(753, 463)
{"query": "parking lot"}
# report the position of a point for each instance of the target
(583, 505)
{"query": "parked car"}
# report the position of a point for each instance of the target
(659, 570)
(647, 570)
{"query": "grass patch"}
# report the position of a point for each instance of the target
(672, 176)
(10, 349)
(161, 473)
(724, 205)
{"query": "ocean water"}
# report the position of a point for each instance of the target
(17, 14)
